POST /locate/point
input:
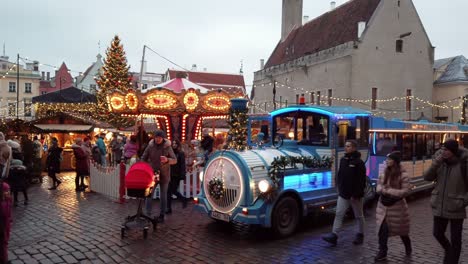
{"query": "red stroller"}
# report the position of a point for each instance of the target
(139, 182)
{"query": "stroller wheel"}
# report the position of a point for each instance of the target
(122, 232)
(145, 233)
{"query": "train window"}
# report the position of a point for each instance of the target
(407, 146)
(362, 131)
(306, 128)
(259, 126)
(420, 147)
(430, 146)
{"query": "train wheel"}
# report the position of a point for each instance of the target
(285, 217)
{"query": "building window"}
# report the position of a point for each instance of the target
(11, 109)
(312, 98)
(374, 99)
(92, 87)
(318, 98)
(12, 87)
(330, 97)
(43, 92)
(399, 45)
(27, 109)
(145, 86)
(4, 66)
(27, 87)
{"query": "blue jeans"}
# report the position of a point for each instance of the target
(162, 196)
(103, 160)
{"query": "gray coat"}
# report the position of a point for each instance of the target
(153, 154)
(450, 194)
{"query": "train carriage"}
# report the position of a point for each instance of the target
(295, 153)
(308, 142)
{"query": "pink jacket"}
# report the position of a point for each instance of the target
(130, 149)
(5, 207)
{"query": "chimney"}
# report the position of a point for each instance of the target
(332, 5)
(291, 17)
(361, 28)
(305, 19)
(262, 64)
(43, 75)
(35, 66)
(48, 76)
(194, 67)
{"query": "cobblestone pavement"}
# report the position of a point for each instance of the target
(64, 226)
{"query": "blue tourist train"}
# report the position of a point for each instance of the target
(289, 169)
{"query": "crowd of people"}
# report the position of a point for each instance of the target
(448, 200)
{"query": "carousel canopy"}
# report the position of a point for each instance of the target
(177, 85)
(68, 95)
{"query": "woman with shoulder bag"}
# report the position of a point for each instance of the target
(392, 211)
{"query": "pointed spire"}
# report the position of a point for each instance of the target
(241, 71)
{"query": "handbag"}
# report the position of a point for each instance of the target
(388, 200)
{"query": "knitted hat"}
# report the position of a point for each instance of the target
(452, 145)
(395, 156)
(159, 133)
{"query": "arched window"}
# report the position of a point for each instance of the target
(399, 45)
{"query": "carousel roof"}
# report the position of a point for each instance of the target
(177, 85)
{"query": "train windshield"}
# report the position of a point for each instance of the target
(304, 127)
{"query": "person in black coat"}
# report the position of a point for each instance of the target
(178, 172)
(54, 158)
(351, 183)
(18, 181)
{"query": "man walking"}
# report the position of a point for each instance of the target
(449, 197)
(160, 155)
(351, 182)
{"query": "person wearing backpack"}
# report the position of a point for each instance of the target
(449, 197)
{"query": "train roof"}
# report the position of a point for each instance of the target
(326, 110)
(380, 124)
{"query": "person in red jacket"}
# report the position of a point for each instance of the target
(81, 164)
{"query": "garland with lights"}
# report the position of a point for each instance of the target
(279, 164)
(216, 188)
(114, 77)
(237, 129)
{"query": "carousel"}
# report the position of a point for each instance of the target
(179, 107)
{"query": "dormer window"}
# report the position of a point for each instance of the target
(399, 46)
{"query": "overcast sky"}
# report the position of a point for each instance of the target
(214, 34)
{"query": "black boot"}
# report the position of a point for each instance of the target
(382, 255)
(160, 218)
(359, 239)
(331, 238)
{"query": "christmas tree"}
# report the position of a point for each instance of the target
(114, 77)
(238, 125)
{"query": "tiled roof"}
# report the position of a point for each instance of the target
(213, 80)
(456, 71)
(326, 31)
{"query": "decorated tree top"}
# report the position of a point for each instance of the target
(114, 77)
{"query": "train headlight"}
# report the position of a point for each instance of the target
(201, 175)
(264, 186)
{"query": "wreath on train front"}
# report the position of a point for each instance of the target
(216, 188)
(279, 164)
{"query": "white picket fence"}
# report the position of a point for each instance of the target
(106, 180)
